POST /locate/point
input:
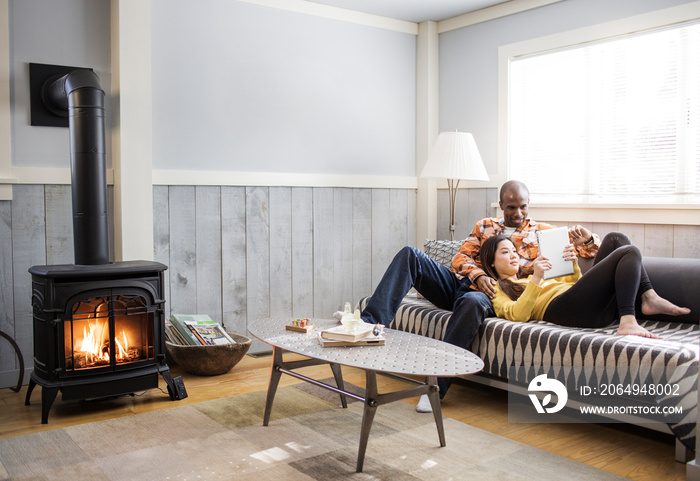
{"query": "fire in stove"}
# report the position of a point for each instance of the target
(90, 340)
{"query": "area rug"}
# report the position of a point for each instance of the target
(309, 438)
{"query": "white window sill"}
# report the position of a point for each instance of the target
(679, 214)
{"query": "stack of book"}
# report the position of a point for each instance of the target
(340, 336)
(195, 330)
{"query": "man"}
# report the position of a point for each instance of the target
(466, 289)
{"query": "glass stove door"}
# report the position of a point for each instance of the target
(108, 331)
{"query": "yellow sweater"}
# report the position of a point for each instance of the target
(533, 302)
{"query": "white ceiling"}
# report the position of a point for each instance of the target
(413, 10)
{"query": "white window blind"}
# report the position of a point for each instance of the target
(616, 121)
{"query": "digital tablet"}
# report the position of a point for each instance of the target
(552, 243)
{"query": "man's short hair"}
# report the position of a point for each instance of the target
(513, 186)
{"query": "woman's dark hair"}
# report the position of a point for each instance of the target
(488, 255)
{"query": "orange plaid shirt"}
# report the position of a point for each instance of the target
(467, 262)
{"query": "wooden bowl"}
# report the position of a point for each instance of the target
(209, 360)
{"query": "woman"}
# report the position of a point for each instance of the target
(609, 290)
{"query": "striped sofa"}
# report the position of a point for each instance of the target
(514, 353)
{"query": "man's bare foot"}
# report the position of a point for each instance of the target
(652, 304)
(630, 327)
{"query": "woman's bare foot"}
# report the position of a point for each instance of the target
(630, 327)
(652, 304)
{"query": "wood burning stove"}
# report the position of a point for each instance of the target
(98, 331)
(98, 326)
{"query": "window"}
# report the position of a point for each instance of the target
(615, 121)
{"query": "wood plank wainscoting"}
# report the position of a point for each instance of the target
(241, 253)
(238, 253)
(235, 253)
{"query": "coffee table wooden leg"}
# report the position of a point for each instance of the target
(275, 375)
(434, 397)
(371, 403)
(338, 375)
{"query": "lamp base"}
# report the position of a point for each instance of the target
(452, 186)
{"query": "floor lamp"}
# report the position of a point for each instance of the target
(454, 157)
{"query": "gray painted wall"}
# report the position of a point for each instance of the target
(252, 88)
(73, 33)
(236, 87)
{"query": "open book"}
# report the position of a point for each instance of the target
(552, 243)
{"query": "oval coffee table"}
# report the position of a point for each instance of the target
(403, 354)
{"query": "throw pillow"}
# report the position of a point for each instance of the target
(442, 251)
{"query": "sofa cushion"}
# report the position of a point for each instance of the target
(442, 250)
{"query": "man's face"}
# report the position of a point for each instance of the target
(514, 206)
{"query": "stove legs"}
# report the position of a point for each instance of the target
(30, 388)
(48, 396)
(113, 387)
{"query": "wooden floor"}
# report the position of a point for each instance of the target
(634, 453)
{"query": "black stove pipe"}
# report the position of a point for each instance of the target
(79, 93)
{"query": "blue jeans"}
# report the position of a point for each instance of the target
(411, 267)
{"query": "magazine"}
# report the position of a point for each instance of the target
(211, 334)
(200, 329)
(172, 335)
(184, 331)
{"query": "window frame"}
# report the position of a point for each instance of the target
(688, 214)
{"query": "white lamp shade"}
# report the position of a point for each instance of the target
(455, 156)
